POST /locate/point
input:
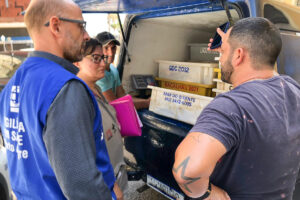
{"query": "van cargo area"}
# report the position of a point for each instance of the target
(169, 46)
(167, 38)
(165, 47)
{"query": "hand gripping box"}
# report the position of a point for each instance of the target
(177, 105)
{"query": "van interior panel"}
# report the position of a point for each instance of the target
(167, 38)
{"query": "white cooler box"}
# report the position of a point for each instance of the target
(202, 73)
(177, 105)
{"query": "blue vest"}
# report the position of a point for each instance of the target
(24, 105)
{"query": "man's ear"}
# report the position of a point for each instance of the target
(54, 24)
(77, 64)
(238, 56)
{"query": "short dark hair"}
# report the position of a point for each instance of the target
(260, 37)
(90, 46)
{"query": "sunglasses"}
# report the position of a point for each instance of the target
(97, 58)
(80, 22)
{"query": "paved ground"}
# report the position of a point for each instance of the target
(148, 194)
(132, 194)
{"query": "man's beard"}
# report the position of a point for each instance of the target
(226, 75)
(74, 53)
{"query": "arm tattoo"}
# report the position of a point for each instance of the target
(188, 179)
(196, 138)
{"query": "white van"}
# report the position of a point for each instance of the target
(157, 30)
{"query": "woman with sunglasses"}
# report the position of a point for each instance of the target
(91, 69)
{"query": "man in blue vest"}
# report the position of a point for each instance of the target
(49, 118)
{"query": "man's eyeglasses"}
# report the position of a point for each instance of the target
(97, 58)
(80, 22)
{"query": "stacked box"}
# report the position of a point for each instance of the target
(221, 87)
(177, 105)
(199, 53)
(193, 88)
(202, 73)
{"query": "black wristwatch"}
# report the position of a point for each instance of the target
(205, 195)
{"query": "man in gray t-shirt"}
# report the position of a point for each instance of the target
(246, 142)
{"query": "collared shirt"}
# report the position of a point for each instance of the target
(74, 149)
(62, 62)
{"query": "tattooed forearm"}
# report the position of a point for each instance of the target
(189, 180)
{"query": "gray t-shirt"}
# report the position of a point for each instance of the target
(259, 124)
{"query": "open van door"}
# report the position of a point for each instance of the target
(165, 30)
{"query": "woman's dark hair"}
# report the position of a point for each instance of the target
(90, 46)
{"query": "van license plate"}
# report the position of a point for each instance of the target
(163, 188)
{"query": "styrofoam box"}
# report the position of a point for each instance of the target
(218, 91)
(177, 105)
(222, 85)
(199, 53)
(187, 71)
